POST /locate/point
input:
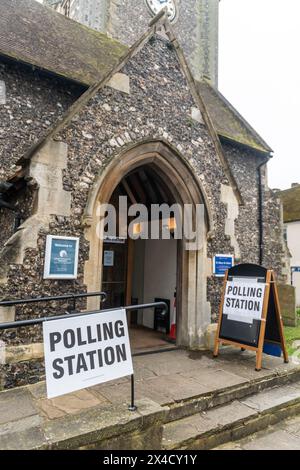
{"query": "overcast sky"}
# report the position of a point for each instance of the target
(260, 75)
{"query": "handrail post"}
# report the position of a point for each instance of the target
(132, 407)
(17, 324)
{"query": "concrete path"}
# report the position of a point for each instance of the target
(283, 436)
(165, 378)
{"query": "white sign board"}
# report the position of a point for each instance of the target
(86, 350)
(108, 258)
(243, 301)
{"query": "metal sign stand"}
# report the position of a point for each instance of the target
(18, 324)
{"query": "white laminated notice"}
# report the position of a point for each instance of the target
(244, 300)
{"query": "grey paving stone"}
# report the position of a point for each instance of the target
(291, 425)
(232, 413)
(271, 398)
(168, 363)
(219, 379)
(38, 390)
(190, 428)
(16, 404)
(20, 425)
(277, 440)
(186, 429)
(29, 439)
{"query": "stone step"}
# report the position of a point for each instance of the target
(233, 421)
(217, 395)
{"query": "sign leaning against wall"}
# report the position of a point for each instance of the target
(86, 350)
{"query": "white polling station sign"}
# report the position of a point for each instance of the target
(244, 301)
(86, 350)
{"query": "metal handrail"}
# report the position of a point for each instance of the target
(36, 321)
(73, 297)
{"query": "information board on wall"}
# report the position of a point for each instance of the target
(86, 350)
(221, 263)
(61, 257)
(250, 312)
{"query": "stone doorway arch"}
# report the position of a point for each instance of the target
(193, 310)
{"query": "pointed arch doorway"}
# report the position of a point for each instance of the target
(146, 270)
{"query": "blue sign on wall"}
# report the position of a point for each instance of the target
(221, 264)
(295, 269)
(61, 257)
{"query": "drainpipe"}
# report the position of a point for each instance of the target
(260, 213)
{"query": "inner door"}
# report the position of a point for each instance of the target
(115, 273)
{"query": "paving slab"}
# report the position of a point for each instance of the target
(116, 394)
(175, 386)
(200, 424)
(277, 440)
(31, 438)
(217, 380)
(38, 390)
(234, 412)
(291, 425)
(168, 363)
(21, 425)
(172, 379)
(186, 430)
(16, 404)
(68, 404)
(271, 398)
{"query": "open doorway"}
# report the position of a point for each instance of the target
(171, 180)
(143, 270)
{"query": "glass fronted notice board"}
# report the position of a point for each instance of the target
(250, 315)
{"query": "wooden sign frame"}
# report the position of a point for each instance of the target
(270, 287)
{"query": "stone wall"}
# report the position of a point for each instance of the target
(196, 26)
(7, 223)
(155, 104)
(33, 103)
(23, 202)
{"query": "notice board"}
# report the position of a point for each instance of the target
(250, 315)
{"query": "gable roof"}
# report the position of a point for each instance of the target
(227, 120)
(159, 21)
(291, 204)
(37, 35)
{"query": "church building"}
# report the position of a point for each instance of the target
(124, 105)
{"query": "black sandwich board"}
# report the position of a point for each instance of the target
(247, 321)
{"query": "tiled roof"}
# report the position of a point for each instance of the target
(227, 121)
(37, 35)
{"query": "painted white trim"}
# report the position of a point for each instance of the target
(48, 250)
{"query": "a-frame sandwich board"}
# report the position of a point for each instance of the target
(261, 334)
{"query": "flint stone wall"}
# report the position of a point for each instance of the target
(158, 107)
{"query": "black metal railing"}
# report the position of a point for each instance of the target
(73, 297)
(102, 295)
